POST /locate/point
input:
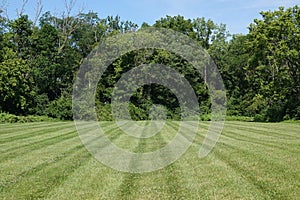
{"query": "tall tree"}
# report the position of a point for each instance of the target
(21, 32)
(275, 41)
(177, 23)
(16, 95)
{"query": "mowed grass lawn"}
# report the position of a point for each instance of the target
(250, 161)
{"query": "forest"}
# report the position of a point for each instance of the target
(39, 59)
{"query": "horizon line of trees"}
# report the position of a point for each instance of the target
(39, 60)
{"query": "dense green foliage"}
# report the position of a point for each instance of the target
(10, 118)
(261, 69)
(264, 67)
(251, 161)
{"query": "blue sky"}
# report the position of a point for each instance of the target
(236, 14)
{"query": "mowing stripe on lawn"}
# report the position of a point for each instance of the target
(254, 156)
(18, 166)
(19, 130)
(19, 143)
(240, 160)
(172, 178)
(250, 161)
(17, 126)
(268, 129)
(25, 162)
(129, 189)
(268, 190)
(45, 163)
(50, 174)
(21, 150)
(255, 151)
(90, 181)
(38, 132)
(129, 184)
(262, 142)
(206, 174)
(31, 143)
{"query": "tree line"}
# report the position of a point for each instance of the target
(39, 60)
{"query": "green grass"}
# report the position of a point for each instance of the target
(46, 160)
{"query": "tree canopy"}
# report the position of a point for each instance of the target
(261, 69)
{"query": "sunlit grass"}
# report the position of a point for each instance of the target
(250, 161)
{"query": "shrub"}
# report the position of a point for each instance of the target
(61, 108)
(104, 112)
(274, 113)
(41, 103)
(205, 117)
(240, 118)
(10, 118)
(259, 118)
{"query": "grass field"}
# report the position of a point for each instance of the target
(250, 161)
